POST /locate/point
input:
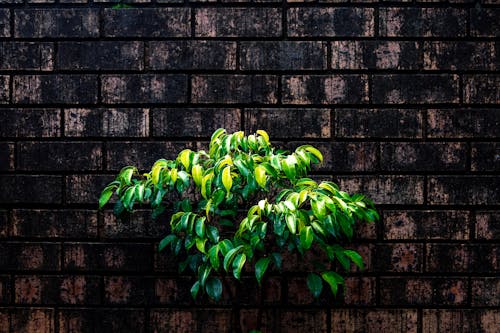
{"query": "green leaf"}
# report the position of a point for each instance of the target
(260, 176)
(314, 151)
(200, 226)
(288, 169)
(229, 257)
(306, 237)
(185, 158)
(203, 273)
(355, 258)
(261, 267)
(291, 222)
(213, 234)
(315, 284)
(165, 241)
(227, 180)
(105, 196)
(195, 289)
(238, 264)
(197, 173)
(213, 288)
(277, 259)
(200, 244)
(333, 279)
(213, 255)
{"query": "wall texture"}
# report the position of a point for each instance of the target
(401, 96)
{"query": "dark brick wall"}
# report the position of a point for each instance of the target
(401, 96)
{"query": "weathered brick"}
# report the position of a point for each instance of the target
(460, 321)
(4, 22)
(107, 257)
(30, 256)
(398, 190)
(283, 55)
(187, 320)
(4, 223)
(460, 56)
(173, 291)
(55, 290)
(191, 55)
(4, 291)
(376, 55)
(485, 157)
(426, 224)
(56, 23)
(59, 156)
(308, 320)
(54, 223)
(423, 156)
(101, 320)
(484, 22)
(482, 89)
(259, 319)
(399, 257)
(360, 291)
(31, 189)
(464, 190)
(325, 89)
(299, 294)
(374, 320)
(85, 188)
(354, 156)
(415, 89)
(165, 263)
(463, 123)
(127, 290)
(488, 225)
(142, 155)
(410, 291)
(144, 88)
(53, 89)
(301, 123)
(7, 159)
(28, 123)
(230, 89)
(422, 22)
(462, 258)
(485, 291)
(108, 55)
(32, 320)
(4, 93)
(147, 22)
(378, 123)
(238, 22)
(26, 56)
(330, 22)
(137, 225)
(194, 122)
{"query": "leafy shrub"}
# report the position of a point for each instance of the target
(245, 203)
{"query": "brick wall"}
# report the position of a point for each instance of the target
(401, 96)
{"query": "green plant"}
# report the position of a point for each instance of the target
(244, 203)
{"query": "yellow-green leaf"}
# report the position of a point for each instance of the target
(227, 180)
(260, 176)
(184, 158)
(197, 173)
(264, 134)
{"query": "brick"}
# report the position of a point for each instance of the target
(31, 189)
(360, 291)
(396, 190)
(59, 156)
(53, 89)
(399, 257)
(485, 291)
(147, 22)
(423, 156)
(301, 123)
(460, 56)
(108, 55)
(137, 225)
(238, 22)
(307, 320)
(482, 89)
(488, 225)
(165, 263)
(54, 223)
(141, 154)
(463, 123)
(32, 320)
(131, 257)
(325, 89)
(283, 55)
(7, 159)
(101, 320)
(484, 22)
(354, 156)
(173, 291)
(29, 123)
(30, 256)
(462, 258)
(376, 55)
(56, 23)
(330, 22)
(259, 319)
(4, 22)
(144, 88)
(4, 93)
(4, 291)
(126, 290)
(404, 291)
(56, 290)
(230, 89)
(426, 224)
(415, 89)
(187, 320)
(191, 55)
(299, 294)
(422, 22)
(460, 321)
(26, 56)
(464, 190)
(374, 320)
(4, 223)
(378, 123)
(194, 122)
(85, 188)
(485, 157)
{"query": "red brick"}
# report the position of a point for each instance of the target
(484, 21)
(26, 56)
(5, 85)
(463, 190)
(28, 123)
(30, 256)
(427, 224)
(299, 294)
(259, 319)
(299, 321)
(31, 189)
(374, 320)
(482, 89)
(101, 320)
(203, 321)
(463, 123)
(460, 321)
(462, 258)
(398, 257)
(485, 157)
(4, 291)
(137, 225)
(355, 156)
(7, 159)
(360, 291)
(85, 188)
(4, 223)
(485, 291)
(173, 291)
(459, 56)
(32, 320)
(488, 225)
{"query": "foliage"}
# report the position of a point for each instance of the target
(244, 203)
